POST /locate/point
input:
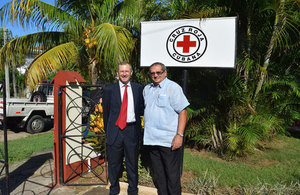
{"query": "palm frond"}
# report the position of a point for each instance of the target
(114, 43)
(31, 44)
(51, 61)
(104, 11)
(242, 138)
(293, 85)
(194, 113)
(287, 25)
(38, 13)
(208, 12)
(128, 13)
(96, 12)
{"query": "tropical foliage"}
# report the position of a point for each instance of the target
(91, 34)
(231, 109)
(261, 97)
(8, 36)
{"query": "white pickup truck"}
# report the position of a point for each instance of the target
(32, 113)
(25, 113)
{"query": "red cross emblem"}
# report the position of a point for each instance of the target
(186, 44)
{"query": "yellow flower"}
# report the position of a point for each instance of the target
(142, 121)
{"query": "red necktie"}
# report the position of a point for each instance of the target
(121, 122)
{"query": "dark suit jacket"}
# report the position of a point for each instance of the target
(112, 105)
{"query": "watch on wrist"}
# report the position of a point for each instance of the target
(180, 134)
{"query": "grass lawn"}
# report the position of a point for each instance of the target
(278, 162)
(23, 148)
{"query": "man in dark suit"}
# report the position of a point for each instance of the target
(123, 105)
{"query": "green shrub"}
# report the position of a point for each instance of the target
(205, 184)
(266, 189)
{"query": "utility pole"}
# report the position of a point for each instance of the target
(6, 66)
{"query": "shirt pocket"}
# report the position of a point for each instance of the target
(162, 100)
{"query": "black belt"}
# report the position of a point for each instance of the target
(130, 124)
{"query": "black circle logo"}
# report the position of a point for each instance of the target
(186, 44)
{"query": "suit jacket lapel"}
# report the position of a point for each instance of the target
(134, 93)
(118, 94)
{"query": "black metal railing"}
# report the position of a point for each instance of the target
(4, 154)
(90, 164)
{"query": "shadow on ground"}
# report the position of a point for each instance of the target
(20, 178)
(294, 131)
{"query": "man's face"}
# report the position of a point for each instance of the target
(157, 75)
(124, 73)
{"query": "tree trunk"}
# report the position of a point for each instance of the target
(263, 72)
(93, 71)
(246, 70)
(6, 66)
(14, 77)
(249, 35)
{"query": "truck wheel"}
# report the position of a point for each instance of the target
(36, 124)
(38, 97)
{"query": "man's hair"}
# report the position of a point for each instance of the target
(124, 63)
(163, 67)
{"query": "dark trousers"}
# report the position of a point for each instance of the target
(126, 144)
(166, 167)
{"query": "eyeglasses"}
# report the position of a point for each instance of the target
(158, 73)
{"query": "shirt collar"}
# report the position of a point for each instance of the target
(122, 85)
(161, 84)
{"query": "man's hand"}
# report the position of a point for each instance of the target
(177, 142)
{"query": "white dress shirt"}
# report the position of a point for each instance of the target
(130, 106)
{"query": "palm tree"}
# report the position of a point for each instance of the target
(267, 32)
(281, 25)
(89, 33)
(8, 34)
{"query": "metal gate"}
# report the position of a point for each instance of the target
(90, 167)
(4, 154)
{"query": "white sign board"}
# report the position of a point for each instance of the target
(209, 42)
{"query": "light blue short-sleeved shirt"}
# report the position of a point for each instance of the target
(162, 107)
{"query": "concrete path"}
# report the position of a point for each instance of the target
(35, 176)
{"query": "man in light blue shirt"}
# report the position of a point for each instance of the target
(165, 120)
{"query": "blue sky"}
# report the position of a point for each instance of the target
(17, 29)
